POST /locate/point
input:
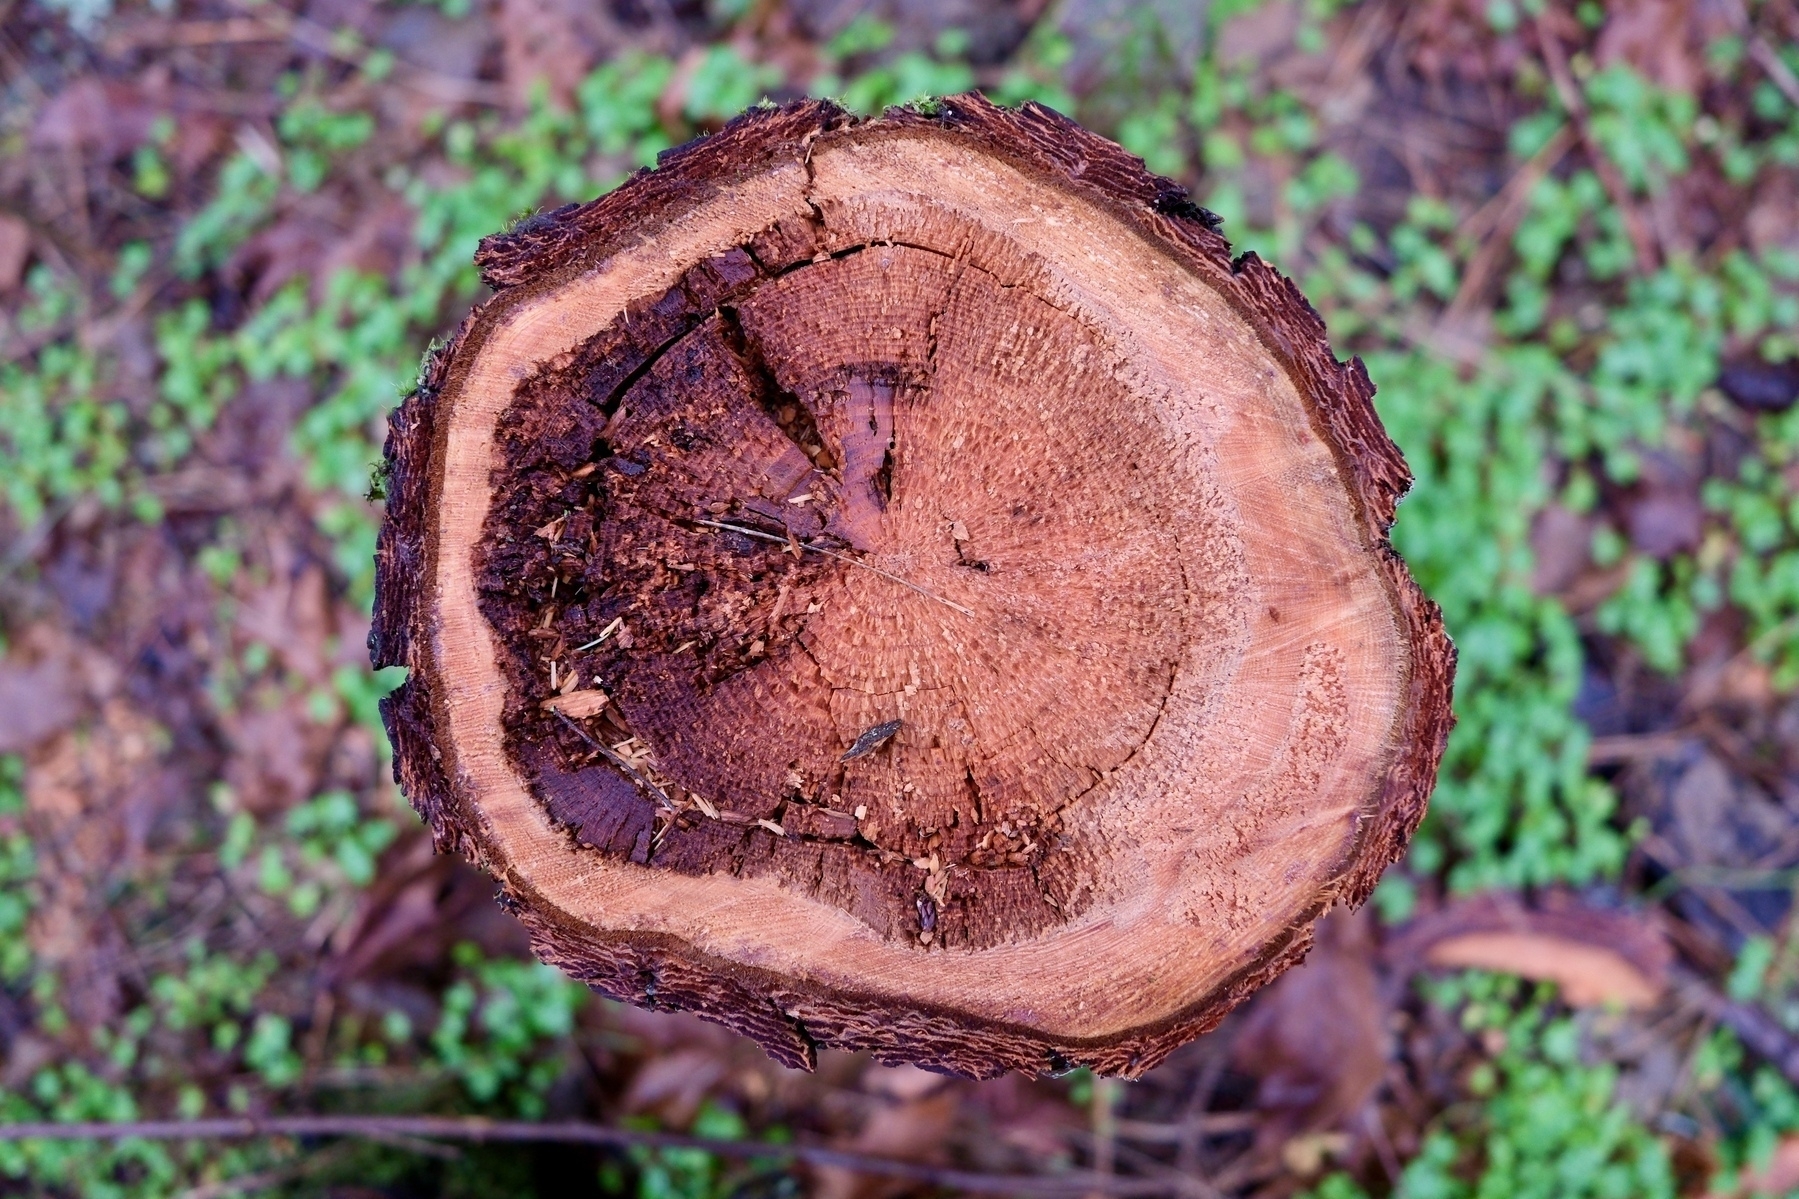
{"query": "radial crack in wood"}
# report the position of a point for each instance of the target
(900, 585)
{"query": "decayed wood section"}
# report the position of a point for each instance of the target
(901, 585)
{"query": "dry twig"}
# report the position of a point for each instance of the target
(1641, 240)
(482, 1130)
(1494, 223)
(616, 759)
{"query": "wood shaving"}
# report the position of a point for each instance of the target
(606, 632)
(578, 704)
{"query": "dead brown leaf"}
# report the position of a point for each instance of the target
(15, 249)
(1653, 37)
(904, 1083)
(1662, 523)
(1561, 540)
(1317, 1039)
(1596, 957)
(91, 114)
(46, 679)
(277, 752)
(1717, 817)
(1780, 1176)
(1587, 975)
(1024, 1119)
(112, 117)
(378, 243)
(1773, 217)
(1258, 37)
(36, 701)
(552, 43)
(419, 905)
(25, 1056)
(76, 787)
(1306, 1154)
(673, 1085)
(293, 246)
(293, 616)
(912, 1122)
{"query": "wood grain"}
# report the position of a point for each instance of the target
(961, 421)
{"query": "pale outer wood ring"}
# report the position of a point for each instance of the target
(1191, 917)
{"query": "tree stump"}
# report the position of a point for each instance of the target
(899, 584)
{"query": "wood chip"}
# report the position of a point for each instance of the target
(578, 704)
(606, 632)
(772, 827)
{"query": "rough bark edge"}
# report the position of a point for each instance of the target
(790, 1023)
(787, 1020)
(553, 242)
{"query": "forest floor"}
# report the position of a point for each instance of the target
(1565, 238)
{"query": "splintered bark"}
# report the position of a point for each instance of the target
(900, 585)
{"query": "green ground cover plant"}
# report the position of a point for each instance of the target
(1540, 1122)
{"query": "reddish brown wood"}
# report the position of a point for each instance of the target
(902, 585)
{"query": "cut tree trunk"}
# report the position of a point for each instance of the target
(899, 585)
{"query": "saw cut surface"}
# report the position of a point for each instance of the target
(893, 408)
(901, 585)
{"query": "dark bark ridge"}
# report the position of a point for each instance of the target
(564, 471)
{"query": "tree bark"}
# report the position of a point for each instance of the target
(900, 585)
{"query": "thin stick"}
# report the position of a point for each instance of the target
(262, 1180)
(819, 549)
(248, 1184)
(606, 752)
(1556, 59)
(1177, 1181)
(480, 1129)
(1497, 220)
(1105, 1126)
(1769, 60)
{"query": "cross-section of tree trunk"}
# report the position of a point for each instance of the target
(899, 584)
